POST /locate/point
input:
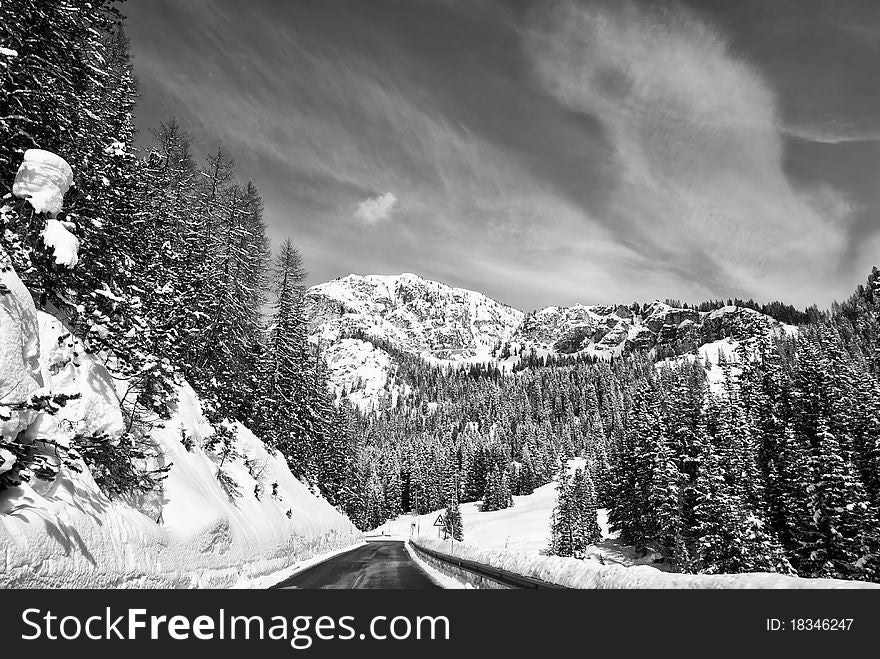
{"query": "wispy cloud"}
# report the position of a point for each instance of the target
(830, 134)
(590, 151)
(696, 137)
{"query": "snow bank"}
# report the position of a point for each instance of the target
(440, 578)
(43, 178)
(515, 538)
(66, 533)
(20, 373)
(66, 369)
(574, 573)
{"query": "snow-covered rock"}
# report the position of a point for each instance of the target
(43, 179)
(6, 460)
(361, 372)
(66, 369)
(605, 331)
(68, 534)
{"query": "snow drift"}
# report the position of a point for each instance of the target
(66, 533)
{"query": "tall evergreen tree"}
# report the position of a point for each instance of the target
(452, 524)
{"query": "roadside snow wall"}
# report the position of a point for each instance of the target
(574, 573)
(66, 533)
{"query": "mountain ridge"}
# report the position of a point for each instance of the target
(451, 326)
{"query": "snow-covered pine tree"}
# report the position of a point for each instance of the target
(574, 525)
(666, 500)
(834, 545)
(168, 222)
(729, 537)
(497, 494)
(452, 524)
(81, 107)
(632, 473)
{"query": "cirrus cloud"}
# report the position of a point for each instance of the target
(565, 151)
(697, 144)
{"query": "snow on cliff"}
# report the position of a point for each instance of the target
(413, 314)
(66, 533)
(605, 331)
(439, 323)
(449, 326)
(362, 373)
(20, 370)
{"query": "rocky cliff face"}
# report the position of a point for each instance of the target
(446, 325)
(614, 330)
(412, 314)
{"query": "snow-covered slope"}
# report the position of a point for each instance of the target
(360, 372)
(66, 533)
(515, 539)
(454, 326)
(524, 527)
(20, 372)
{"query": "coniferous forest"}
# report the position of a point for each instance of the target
(779, 471)
(176, 277)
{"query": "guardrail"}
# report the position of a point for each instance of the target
(510, 579)
(384, 538)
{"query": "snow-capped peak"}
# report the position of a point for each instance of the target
(413, 314)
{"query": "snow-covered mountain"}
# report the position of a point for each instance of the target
(603, 330)
(406, 313)
(445, 325)
(413, 314)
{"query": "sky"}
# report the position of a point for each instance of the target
(542, 152)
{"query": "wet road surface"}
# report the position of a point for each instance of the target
(382, 564)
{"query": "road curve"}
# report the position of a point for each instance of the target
(382, 564)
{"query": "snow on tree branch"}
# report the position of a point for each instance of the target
(43, 179)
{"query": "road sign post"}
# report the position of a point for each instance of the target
(440, 522)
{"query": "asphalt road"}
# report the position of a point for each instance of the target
(384, 564)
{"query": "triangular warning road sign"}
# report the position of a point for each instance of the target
(440, 521)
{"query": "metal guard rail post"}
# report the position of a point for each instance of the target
(487, 571)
